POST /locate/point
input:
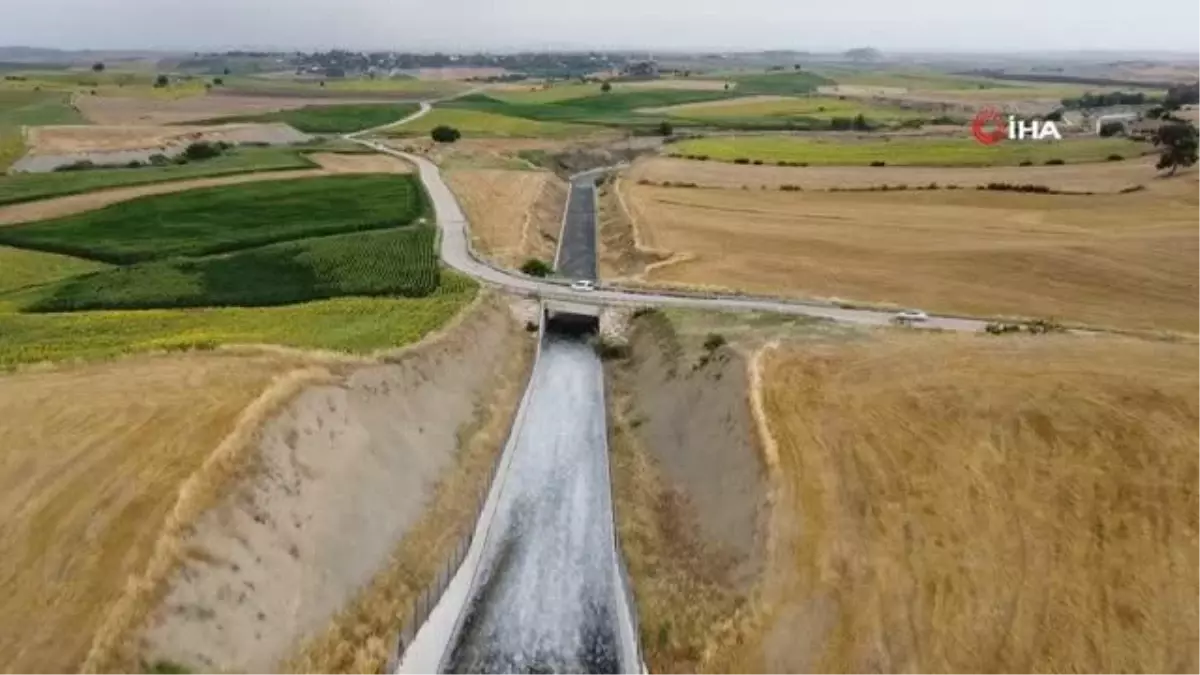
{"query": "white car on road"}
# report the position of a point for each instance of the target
(910, 316)
(583, 285)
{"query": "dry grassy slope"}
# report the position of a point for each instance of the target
(512, 213)
(969, 504)
(689, 493)
(1117, 260)
(364, 488)
(92, 461)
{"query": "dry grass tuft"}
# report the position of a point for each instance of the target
(970, 504)
(501, 205)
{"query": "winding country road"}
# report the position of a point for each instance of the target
(456, 253)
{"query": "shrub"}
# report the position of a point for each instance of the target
(161, 81)
(1026, 162)
(878, 163)
(741, 160)
(81, 165)
(444, 134)
(203, 150)
(133, 165)
(714, 341)
(1054, 162)
(1114, 158)
(159, 159)
(791, 188)
(931, 186)
(536, 268)
(702, 158)
(758, 162)
(1111, 129)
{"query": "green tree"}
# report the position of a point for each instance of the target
(444, 134)
(665, 128)
(606, 87)
(161, 81)
(1179, 143)
(860, 123)
(536, 268)
(98, 67)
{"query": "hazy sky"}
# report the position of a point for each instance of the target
(912, 25)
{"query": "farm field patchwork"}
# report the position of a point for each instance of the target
(25, 107)
(19, 268)
(538, 93)
(22, 187)
(903, 151)
(214, 220)
(927, 480)
(820, 107)
(1121, 260)
(329, 119)
(1091, 177)
(484, 124)
(399, 87)
(396, 262)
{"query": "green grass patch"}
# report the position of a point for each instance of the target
(386, 262)
(907, 78)
(611, 109)
(330, 119)
(783, 83)
(406, 87)
(566, 91)
(817, 107)
(356, 325)
(25, 107)
(221, 219)
(20, 269)
(23, 187)
(476, 123)
(903, 151)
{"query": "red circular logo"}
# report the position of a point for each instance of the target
(993, 118)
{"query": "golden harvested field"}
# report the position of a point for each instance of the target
(1127, 261)
(330, 163)
(500, 204)
(951, 503)
(116, 110)
(1091, 177)
(94, 460)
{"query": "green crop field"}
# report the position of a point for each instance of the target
(818, 107)
(557, 92)
(20, 269)
(402, 87)
(904, 151)
(611, 109)
(908, 79)
(475, 123)
(356, 325)
(26, 107)
(782, 83)
(399, 261)
(330, 119)
(23, 187)
(215, 220)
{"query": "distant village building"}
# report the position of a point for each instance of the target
(640, 69)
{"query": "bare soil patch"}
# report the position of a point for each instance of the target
(1125, 261)
(94, 461)
(333, 533)
(1097, 177)
(152, 111)
(330, 163)
(71, 139)
(500, 206)
(952, 503)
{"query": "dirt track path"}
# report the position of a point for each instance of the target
(330, 164)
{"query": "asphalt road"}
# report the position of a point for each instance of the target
(545, 594)
(454, 253)
(576, 257)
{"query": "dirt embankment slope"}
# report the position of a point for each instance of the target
(514, 215)
(358, 492)
(689, 490)
(95, 460)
